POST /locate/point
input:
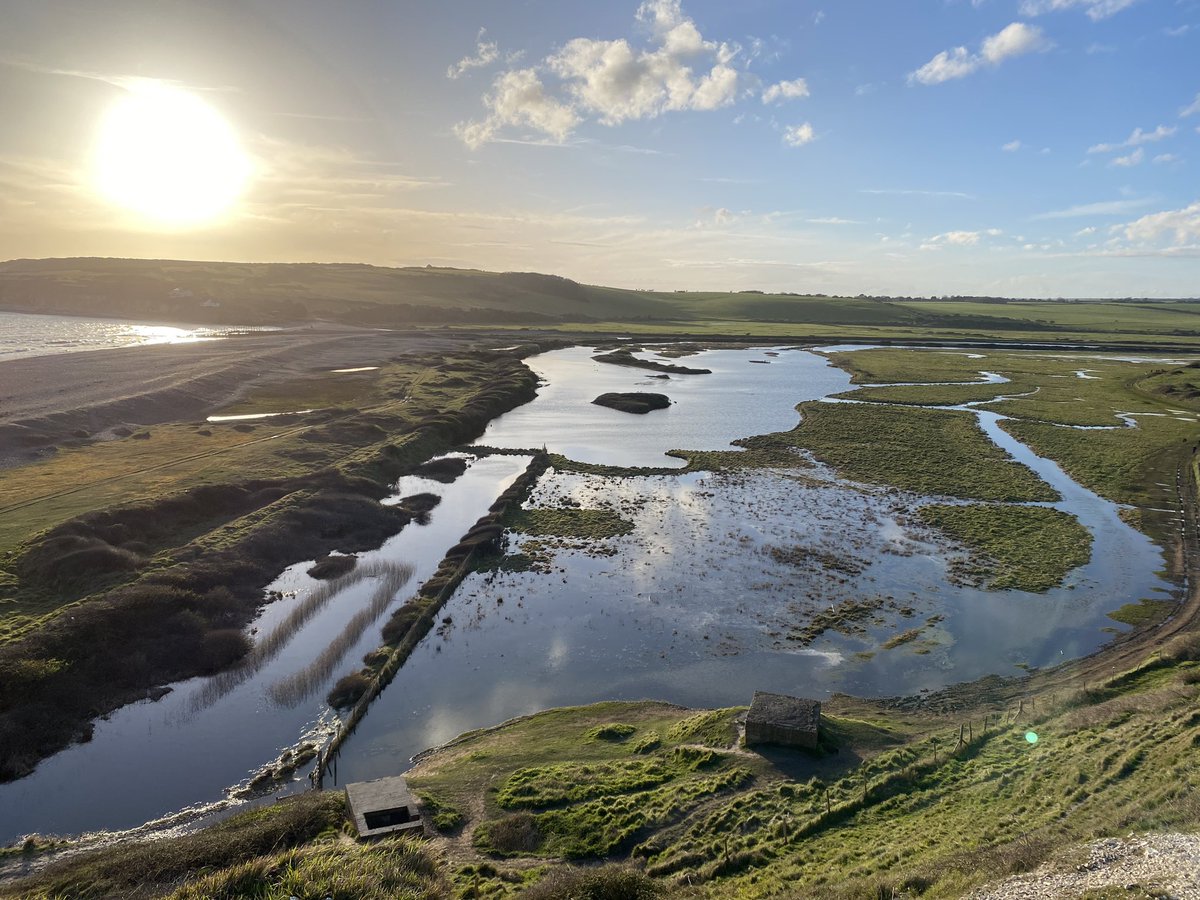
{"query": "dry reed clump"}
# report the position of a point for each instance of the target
(332, 566)
(513, 835)
(605, 883)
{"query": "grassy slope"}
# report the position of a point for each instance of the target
(252, 293)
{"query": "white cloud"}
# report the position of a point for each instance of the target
(519, 98)
(1095, 9)
(799, 135)
(1102, 208)
(1164, 158)
(954, 239)
(1180, 31)
(1179, 225)
(785, 90)
(1133, 159)
(902, 192)
(486, 53)
(1012, 147)
(833, 220)
(1136, 139)
(1017, 39)
(1191, 109)
(615, 81)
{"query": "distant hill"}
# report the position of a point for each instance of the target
(279, 293)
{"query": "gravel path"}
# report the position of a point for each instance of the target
(1140, 866)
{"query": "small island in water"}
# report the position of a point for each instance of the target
(635, 402)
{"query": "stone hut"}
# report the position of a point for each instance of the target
(786, 721)
(383, 806)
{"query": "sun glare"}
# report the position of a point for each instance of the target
(167, 155)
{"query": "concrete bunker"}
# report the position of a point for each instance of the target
(383, 806)
(782, 720)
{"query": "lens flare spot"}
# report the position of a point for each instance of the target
(1031, 736)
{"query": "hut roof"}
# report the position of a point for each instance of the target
(780, 709)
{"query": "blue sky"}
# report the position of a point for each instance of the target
(1018, 147)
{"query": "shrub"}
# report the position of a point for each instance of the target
(511, 836)
(348, 690)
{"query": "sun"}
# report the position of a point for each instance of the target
(167, 155)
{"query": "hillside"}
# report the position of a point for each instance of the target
(278, 293)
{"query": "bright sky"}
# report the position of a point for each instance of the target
(1017, 147)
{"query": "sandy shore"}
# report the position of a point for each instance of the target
(50, 399)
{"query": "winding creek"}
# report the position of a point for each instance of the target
(690, 607)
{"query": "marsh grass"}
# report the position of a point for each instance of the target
(926, 451)
(1025, 548)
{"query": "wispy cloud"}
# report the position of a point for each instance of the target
(1017, 39)
(785, 90)
(1095, 9)
(486, 53)
(1012, 146)
(1129, 160)
(1101, 208)
(1136, 139)
(902, 192)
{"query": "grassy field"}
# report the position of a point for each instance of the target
(927, 451)
(1024, 548)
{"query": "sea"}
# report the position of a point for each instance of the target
(27, 334)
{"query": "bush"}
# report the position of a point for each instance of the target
(609, 883)
(511, 836)
(349, 690)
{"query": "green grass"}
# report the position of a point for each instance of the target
(570, 522)
(1024, 548)
(389, 870)
(1125, 465)
(927, 451)
(1145, 613)
(155, 867)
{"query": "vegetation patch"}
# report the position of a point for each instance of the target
(152, 868)
(714, 728)
(848, 617)
(614, 732)
(1145, 613)
(801, 557)
(1025, 548)
(570, 522)
(926, 451)
(333, 566)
